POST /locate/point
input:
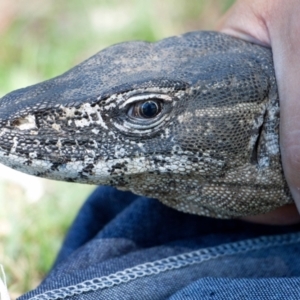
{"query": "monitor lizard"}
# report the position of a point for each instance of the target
(192, 120)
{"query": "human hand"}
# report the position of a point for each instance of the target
(276, 24)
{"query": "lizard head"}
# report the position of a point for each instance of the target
(191, 120)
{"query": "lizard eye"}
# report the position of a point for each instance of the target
(148, 109)
(144, 114)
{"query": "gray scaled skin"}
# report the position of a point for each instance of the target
(191, 120)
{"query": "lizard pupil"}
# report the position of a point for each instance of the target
(149, 109)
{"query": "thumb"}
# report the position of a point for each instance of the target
(276, 23)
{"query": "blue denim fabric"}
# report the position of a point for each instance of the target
(123, 246)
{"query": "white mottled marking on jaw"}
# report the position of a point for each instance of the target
(25, 123)
(119, 151)
(3, 131)
(58, 144)
(141, 146)
(95, 131)
(101, 171)
(85, 108)
(56, 127)
(101, 122)
(89, 110)
(82, 123)
(92, 154)
(15, 144)
(33, 155)
(70, 111)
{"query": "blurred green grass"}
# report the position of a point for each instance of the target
(39, 40)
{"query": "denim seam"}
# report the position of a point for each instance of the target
(168, 264)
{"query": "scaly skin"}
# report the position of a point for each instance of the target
(210, 148)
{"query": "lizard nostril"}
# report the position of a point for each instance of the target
(25, 123)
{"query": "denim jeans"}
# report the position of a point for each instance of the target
(124, 246)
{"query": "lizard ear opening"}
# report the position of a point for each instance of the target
(255, 151)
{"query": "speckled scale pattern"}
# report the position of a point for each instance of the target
(213, 149)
